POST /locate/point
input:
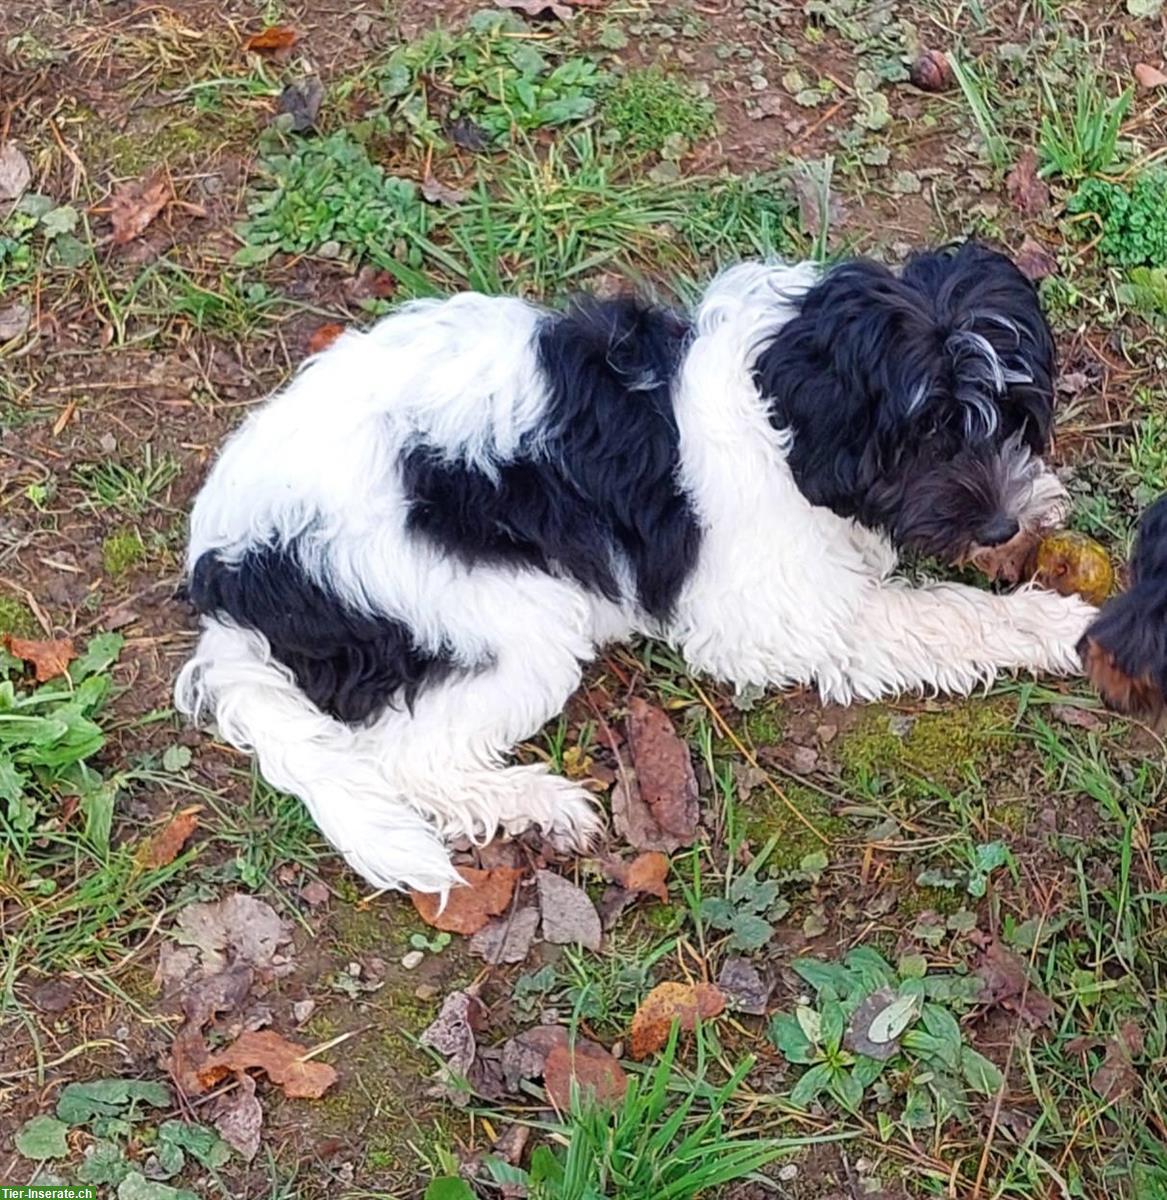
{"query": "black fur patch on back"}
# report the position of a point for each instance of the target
(349, 664)
(598, 485)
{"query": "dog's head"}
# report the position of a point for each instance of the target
(920, 404)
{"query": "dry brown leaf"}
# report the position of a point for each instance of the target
(645, 873)
(437, 192)
(1027, 193)
(598, 1076)
(569, 916)
(273, 40)
(282, 1061)
(1117, 1076)
(48, 659)
(486, 895)
(239, 1118)
(323, 336)
(136, 204)
(1005, 980)
(687, 1003)
(165, 846)
(201, 1003)
(1148, 77)
(661, 811)
(537, 8)
(1034, 261)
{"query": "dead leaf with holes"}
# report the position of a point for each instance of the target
(164, 847)
(47, 659)
(283, 1062)
(1117, 1076)
(486, 894)
(135, 205)
(597, 1076)
(667, 1003)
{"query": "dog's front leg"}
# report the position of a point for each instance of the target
(952, 638)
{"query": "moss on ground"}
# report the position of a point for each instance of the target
(121, 552)
(16, 617)
(766, 816)
(948, 749)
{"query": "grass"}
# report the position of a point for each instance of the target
(650, 111)
(1082, 140)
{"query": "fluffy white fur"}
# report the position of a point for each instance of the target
(783, 592)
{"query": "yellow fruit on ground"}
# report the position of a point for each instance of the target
(1070, 563)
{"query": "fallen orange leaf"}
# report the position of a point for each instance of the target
(281, 1060)
(274, 38)
(323, 336)
(645, 873)
(598, 1076)
(486, 894)
(687, 1003)
(49, 659)
(136, 204)
(164, 846)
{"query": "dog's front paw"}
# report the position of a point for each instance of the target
(1053, 625)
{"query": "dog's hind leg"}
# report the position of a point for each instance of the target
(951, 638)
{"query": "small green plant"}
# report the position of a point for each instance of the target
(750, 907)
(434, 945)
(116, 1115)
(1083, 141)
(1145, 292)
(1128, 220)
(1147, 454)
(649, 108)
(980, 861)
(328, 190)
(975, 88)
(121, 552)
(873, 1030)
(490, 82)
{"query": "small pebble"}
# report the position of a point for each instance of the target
(788, 1172)
(302, 1010)
(413, 959)
(425, 991)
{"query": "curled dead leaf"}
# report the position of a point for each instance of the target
(1149, 77)
(48, 659)
(486, 895)
(667, 1003)
(285, 1063)
(323, 336)
(136, 204)
(165, 846)
(276, 39)
(645, 873)
(1005, 980)
(598, 1077)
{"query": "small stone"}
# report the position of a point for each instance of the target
(788, 1172)
(425, 992)
(108, 443)
(413, 960)
(302, 1010)
(827, 733)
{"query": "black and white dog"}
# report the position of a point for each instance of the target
(404, 558)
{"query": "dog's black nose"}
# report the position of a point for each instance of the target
(997, 531)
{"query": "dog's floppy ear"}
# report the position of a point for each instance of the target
(990, 313)
(1125, 650)
(829, 379)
